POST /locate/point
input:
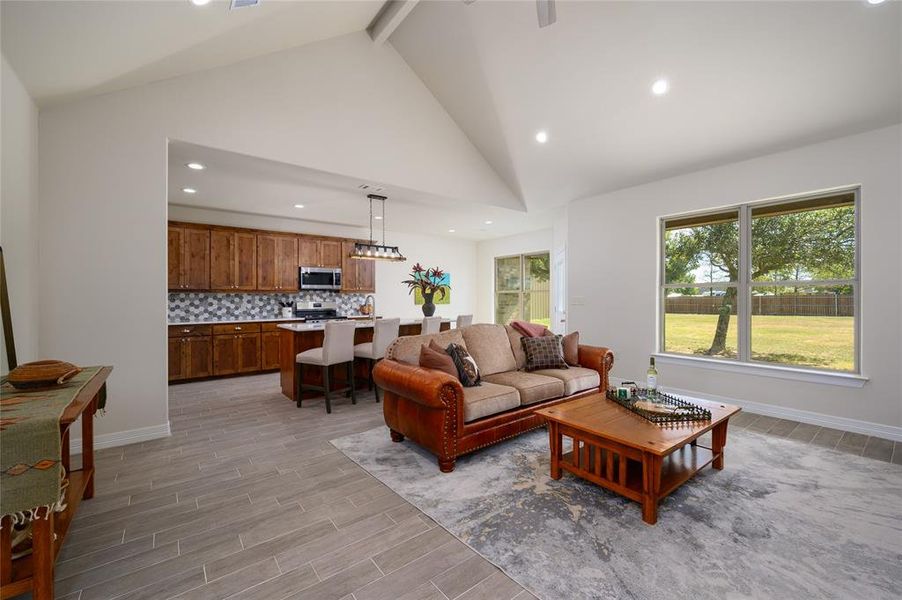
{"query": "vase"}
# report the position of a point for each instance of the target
(428, 306)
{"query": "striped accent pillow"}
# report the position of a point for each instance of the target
(467, 371)
(543, 352)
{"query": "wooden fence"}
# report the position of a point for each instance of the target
(815, 305)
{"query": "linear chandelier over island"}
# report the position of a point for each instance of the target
(371, 250)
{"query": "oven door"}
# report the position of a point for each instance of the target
(316, 278)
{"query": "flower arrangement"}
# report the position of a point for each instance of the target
(428, 281)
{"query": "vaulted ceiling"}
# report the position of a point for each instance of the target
(746, 79)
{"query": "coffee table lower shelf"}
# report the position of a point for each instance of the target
(676, 469)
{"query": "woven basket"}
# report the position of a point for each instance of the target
(42, 373)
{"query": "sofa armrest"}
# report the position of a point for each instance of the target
(598, 358)
(428, 387)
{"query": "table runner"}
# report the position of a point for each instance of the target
(30, 447)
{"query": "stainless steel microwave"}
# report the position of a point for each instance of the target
(318, 278)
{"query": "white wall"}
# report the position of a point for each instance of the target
(487, 251)
(619, 230)
(457, 257)
(342, 105)
(19, 211)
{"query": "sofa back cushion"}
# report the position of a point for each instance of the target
(406, 348)
(490, 347)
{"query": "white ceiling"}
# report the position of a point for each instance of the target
(240, 183)
(747, 78)
(65, 50)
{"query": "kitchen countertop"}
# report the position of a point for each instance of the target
(363, 323)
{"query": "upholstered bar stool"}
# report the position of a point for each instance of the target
(337, 349)
(464, 321)
(431, 325)
(385, 331)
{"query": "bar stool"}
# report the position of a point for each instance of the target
(431, 325)
(464, 321)
(385, 331)
(337, 349)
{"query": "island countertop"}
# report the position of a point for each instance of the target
(361, 324)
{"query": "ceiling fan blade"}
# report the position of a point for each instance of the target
(547, 14)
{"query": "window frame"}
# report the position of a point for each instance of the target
(522, 291)
(745, 285)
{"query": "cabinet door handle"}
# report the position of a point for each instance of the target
(186, 331)
(238, 328)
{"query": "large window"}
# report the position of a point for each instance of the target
(769, 282)
(523, 288)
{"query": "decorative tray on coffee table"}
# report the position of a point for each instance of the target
(660, 408)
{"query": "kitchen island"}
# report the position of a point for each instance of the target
(298, 337)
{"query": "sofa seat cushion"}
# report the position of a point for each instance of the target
(532, 387)
(490, 347)
(488, 399)
(575, 379)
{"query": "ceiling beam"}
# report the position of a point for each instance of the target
(392, 14)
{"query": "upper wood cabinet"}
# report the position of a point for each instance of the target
(233, 260)
(188, 258)
(318, 252)
(277, 262)
(356, 275)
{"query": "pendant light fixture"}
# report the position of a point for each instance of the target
(371, 250)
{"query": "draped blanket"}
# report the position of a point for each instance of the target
(31, 469)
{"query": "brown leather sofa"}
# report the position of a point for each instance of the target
(433, 409)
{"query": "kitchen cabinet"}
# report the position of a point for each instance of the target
(233, 260)
(236, 348)
(188, 258)
(269, 347)
(319, 252)
(277, 258)
(190, 353)
(357, 275)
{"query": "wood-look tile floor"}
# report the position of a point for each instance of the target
(248, 500)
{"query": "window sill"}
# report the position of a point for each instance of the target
(761, 370)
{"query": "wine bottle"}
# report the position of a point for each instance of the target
(651, 378)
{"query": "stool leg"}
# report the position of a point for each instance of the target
(370, 363)
(351, 382)
(327, 387)
(298, 382)
(375, 387)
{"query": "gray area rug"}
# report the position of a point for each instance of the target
(783, 520)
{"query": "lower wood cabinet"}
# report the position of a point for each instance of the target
(223, 349)
(190, 357)
(236, 353)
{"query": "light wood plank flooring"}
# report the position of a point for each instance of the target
(248, 500)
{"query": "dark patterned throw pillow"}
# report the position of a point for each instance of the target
(467, 371)
(543, 352)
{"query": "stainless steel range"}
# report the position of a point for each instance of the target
(317, 312)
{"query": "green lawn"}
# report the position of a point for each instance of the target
(823, 342)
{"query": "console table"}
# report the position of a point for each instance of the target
(34, 572)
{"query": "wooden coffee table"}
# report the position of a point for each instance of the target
(627, 454)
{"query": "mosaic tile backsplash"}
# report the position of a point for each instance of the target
(209, 306)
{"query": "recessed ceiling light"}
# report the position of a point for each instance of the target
(189, 190)
(451, 230)
(200, 2)
(660, 87)
(299, 206)
(542, 136)
(876, 1)
(196, 166)
(488, 222)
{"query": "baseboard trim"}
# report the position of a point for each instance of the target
(123, 438)
(880, 430)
